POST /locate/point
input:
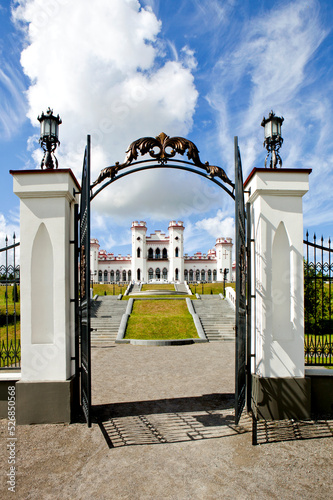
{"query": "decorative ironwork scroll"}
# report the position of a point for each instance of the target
(241, 282)
(162, 149)
(84, 303)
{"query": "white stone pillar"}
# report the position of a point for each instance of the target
(278, 282)
(277, 225)
(47, 200)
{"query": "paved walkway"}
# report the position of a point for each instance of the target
(164, 430)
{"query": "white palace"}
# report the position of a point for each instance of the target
(161, 257)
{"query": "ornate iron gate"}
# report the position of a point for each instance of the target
(160, 159)
(84, 302)
(241, 288)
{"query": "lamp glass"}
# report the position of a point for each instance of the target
(268, 129)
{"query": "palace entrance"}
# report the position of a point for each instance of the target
(160, 152)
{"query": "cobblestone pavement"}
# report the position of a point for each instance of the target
(163, 429)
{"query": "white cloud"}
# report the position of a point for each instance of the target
(100, 66)
(12, 101)
(222, 225)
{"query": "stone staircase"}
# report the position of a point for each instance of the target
(106, 314)
(180, 287)
(135, 289)
(217, 317)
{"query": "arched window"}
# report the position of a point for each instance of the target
(197, 275)
(191, 274)
(202, 275)
(138, 274)
(150, 273)
(105, 275)
(214, 275)
(158, 273)
(138, 252)
(165, 273)
(124, 275)
(176, 252)
(177, 274)
(157, 253)
(209, 275)
(186, 275)
(100, 276)
(150, 253)
(112, 276)
(129, 275)
(117, 275)
(165, 253)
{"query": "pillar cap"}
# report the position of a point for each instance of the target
(272, 171)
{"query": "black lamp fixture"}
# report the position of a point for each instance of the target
(273, 140)
(49, 138)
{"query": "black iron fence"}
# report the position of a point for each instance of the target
(318, 276)
(10, 338)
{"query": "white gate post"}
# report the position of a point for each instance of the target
(47, 200)
(279, 388)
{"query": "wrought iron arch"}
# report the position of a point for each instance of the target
(167, 148)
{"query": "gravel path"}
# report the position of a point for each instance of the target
(163, 429)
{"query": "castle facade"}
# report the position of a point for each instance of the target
(161, 257)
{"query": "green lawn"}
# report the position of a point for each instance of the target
(109, 289)
(209, 288)
(159, 320)
(157, 287)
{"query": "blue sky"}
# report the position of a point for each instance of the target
(204, 70)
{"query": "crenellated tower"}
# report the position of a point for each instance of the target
(139, 251)
(176, 250)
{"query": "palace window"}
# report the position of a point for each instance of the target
(214, 275)
(100, 276)
(129, 275)
(176, 252)
(197, 275)
(157, 253)
(117, 275)
(165, 253)
(191, 274)
(186, 275)
(124, 275)
(112, 276)
(165, 273)
(158, 273)
(138, 252)
(150, 274)
(105, 275)
(202, 275)
(209, 275)
(176, 273)
(138, 274)
(150, 253)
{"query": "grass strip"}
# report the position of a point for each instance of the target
(160, 320)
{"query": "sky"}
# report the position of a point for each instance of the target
(206, 70)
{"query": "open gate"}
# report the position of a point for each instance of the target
(243, 287)
(84, 299)
(168, 147)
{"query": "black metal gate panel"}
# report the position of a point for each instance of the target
(84, 302)
(241, 287)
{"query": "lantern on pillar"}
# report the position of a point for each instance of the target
(273, 139)
(49, 138)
